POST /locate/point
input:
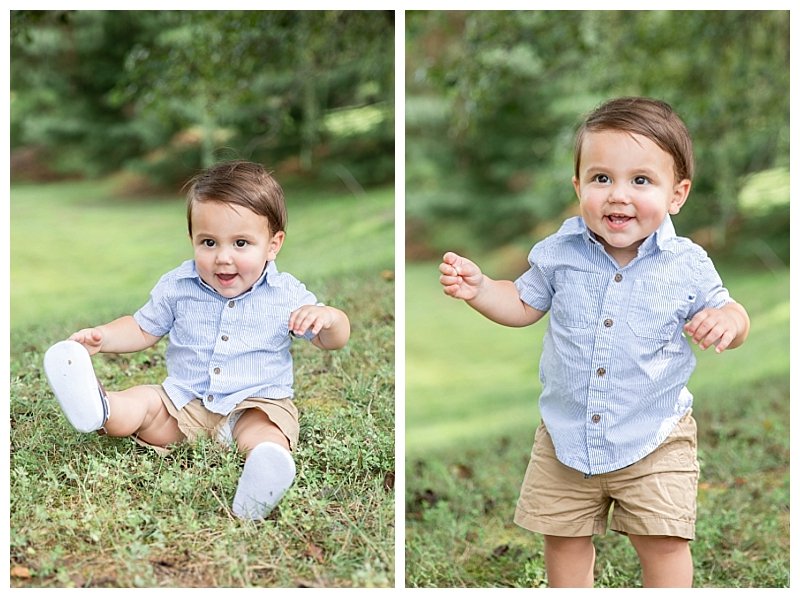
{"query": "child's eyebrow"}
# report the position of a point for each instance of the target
(644, 170)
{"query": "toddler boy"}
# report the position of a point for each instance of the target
(621, 289)
(230, 316)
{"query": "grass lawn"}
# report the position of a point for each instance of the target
(102, 512)
(471, 396)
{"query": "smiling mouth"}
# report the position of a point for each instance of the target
(618, 219)
(226, 278)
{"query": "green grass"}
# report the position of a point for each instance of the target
(471, 396)
(103, 512)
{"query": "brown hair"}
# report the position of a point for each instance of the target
(241, 183)
(650, 118)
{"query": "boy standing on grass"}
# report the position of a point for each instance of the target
(621, 289)
(230, 316)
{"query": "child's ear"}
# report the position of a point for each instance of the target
(680, 194)
(577, 185)
(275, 244)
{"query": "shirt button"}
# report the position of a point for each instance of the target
(596, 418)
(601, 372)
(210, 398)
(617, 277)
(231, 303)
(608, 322)
(217, 370)
(225, 337)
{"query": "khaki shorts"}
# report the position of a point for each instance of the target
(194, 420)
(656, 496)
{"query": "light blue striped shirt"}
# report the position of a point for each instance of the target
(615, 363)
(223, 350)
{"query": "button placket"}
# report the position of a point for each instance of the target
(597, 401)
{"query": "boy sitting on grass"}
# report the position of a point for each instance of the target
(621, 288)
(230, 316)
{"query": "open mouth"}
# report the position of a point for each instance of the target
(226, 278)
(618, 219)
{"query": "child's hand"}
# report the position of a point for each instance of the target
(91, 338)
(460, 277)
(330, 325)
(713, 327)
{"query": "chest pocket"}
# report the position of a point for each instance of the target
(657, 311)
(196, 322)
(576, 302)
(265, 330)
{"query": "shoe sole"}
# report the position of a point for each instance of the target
(267, 474)
(69, 371)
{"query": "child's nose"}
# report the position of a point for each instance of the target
(619, 193)
(223, 256)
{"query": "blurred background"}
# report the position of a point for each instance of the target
(163, 93)
(493, 99)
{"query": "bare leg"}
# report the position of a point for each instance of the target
(666, 561)
(139, 410)
(569, 561)
(255, 427)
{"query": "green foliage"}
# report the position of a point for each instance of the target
(494, 98)
(166, 92)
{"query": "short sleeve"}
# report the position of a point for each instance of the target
(157, 316)
(710, 292)
(534, 285)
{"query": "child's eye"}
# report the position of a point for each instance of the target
(602, 178)
(208, 242)
(241, 243)
(641, 180)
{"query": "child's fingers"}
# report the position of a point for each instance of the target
(450, 264)
(90, 337)
(303, 320)
(706, 330)
(699, 326)
(725, 340)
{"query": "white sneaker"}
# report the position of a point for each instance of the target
(69, 371)
(268, 473)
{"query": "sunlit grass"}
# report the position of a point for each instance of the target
(78, 249)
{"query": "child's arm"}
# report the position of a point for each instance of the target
(330, 325)
(498, 300)
(123, 335)
(727, 327)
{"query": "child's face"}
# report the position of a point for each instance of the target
(626, 186)
(232, 245)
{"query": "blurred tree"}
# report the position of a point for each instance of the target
(494, 98)
(183, 84)
(63, 66)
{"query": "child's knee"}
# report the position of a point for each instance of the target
(254, 427)
(659, 546)
(568, 545)
(140, 410)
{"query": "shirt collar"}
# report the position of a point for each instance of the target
(268, 277)
(661, 238)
